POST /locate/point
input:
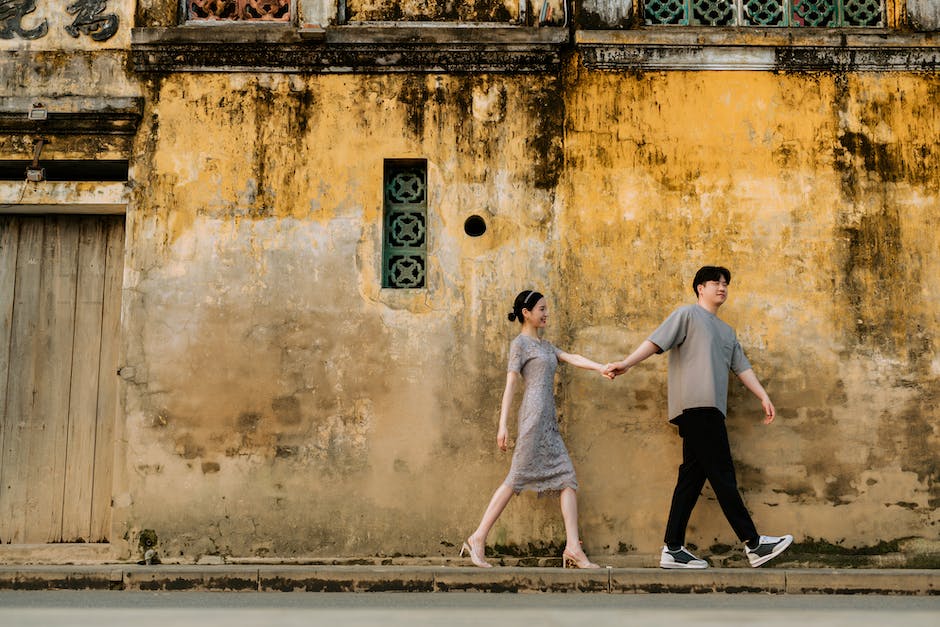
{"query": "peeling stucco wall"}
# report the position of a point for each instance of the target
(820, 192)
(281, 403)
(305, 409)
(277, 402)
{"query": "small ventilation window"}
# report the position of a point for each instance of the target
(405, 233)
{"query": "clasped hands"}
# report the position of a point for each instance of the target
(614, 369)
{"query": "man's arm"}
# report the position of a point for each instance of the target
(749, 379)
(644, 350)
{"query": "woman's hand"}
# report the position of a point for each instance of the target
(615, 369)
(502, 437)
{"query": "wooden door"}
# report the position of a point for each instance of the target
(60, 300)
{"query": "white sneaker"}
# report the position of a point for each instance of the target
(768, 547)
(680, 559)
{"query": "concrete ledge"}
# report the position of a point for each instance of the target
(689, 581)
(346, 49)
(445, 34)
(464, 579)
(189, 578)
(56, 578)
(72, 115)
(908, 582)
(773, 49)
(14, 199)
(754, 36)
(82, 197)
(348, 579)
(516, 579)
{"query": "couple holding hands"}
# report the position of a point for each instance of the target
(702, 349)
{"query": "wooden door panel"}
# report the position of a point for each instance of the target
(108, 383)
(60, 321)
(24, 349)
(50, 415)
(9, 244)
(83, 403)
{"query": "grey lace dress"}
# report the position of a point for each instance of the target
(540, 461)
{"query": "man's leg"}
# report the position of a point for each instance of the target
(714, 454)
(689, 484)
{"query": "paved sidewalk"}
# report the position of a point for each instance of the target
(370, 578)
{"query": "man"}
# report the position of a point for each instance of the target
(702, 351)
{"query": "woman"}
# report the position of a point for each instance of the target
(540, 461)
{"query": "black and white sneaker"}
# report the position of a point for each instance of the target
(680, 559)
(768, 547)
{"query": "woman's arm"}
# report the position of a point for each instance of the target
(579, 361)
(502, 433)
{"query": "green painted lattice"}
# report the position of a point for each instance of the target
(814, 13)
(864, 13)
(713, 12)
(807, 13)
(405, 234)
(764, 13)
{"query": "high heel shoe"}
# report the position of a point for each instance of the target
(568, 560)
(476, 559)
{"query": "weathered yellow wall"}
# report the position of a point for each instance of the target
(279, 403)
(303, 409)
(282, 404)
(820, 192)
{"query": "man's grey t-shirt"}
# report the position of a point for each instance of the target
(703, 349)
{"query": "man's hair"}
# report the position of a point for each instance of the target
(710, 273)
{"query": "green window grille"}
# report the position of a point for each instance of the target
(404, 224)
(795, 13)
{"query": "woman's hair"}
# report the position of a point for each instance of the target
(710, 273)
(525, 300)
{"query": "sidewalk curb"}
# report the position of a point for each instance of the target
(278, 578)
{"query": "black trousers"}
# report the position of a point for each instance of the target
(706, 454)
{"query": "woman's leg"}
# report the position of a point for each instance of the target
(569, 512)
(497, 504)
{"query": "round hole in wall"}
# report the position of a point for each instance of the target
(475, 226)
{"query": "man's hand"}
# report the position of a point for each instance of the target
(615, 369)
(749, 379)
(769, 411)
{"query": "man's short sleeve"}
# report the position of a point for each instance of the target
(739, 362)
(672, 331)
(516, 358)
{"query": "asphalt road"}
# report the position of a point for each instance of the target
(243, 609)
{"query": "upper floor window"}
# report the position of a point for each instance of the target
(809, 13)
(238, 10)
